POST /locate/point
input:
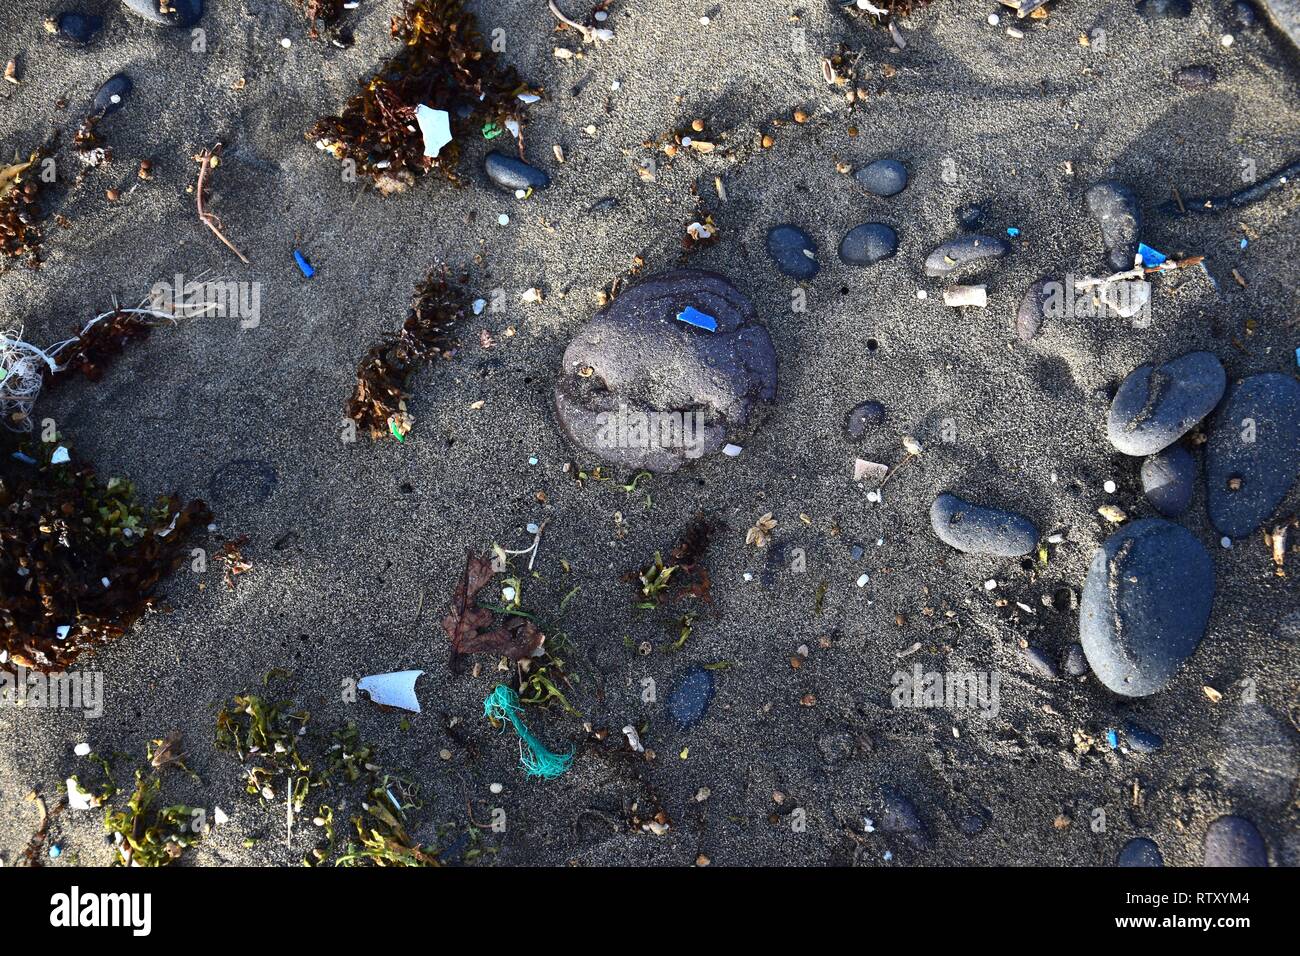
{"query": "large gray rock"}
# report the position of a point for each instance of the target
(979, 530)
(1168, 480)
(1145, 605)
(1157, 404)
(1234, 841)
(639, 387)
(1286, 14)
(1253, 453)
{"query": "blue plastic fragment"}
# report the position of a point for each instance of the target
(1150, 258)
(1245, 243)
(1297, 356)
(1112, 738)
(693, 316)
(29, 460)
(303, 264)
(1012, 231)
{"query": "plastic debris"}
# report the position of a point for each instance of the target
(503, 705)
(479, 306)
(1112, 738)
(731, 451)
(633, 739)
(63, 630)
(60, 456)
(491, 130)
(693, 316)
(303, 264)
(79, 798)
(869, 469)
(964, 295)
(1150, 257)
(435, 127)
(396, 689)
(1012, 231)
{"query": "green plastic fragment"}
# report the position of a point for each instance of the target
(491, 130)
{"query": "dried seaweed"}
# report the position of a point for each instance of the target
(444, 65)
(478, 630)
(327, 13)
(78, 554)
(147, 834)
(379, 402)
(687, 577)
(94, 347)
(21, 210)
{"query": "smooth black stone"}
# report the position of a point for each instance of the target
(511, 174)
(956, 254)
(689, 699)
(971, 216)
(1116, 211)
(1168, 480)
(978, 530)
(884, 177)
(112, 95)
(1234, 841)
(186, 12)
(1145, 605)
(643, 361)
(794, 253)
(1044, 296)
(898, 814)
(1140, 740)
(1265, 408)
(1038, 661)
(1198, 76)
(78, 28)
(1156, 405)
(1140, 851)
(868, 243)
(1076, 662)
(862, 418)
(1164, 9)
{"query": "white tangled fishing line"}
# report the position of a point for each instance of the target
(23, 367)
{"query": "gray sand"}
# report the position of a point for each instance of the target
(369, 570)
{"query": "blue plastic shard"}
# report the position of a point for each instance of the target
(1112, 738)
(303, 264)
(693, 316)
(1150, 258)
(1012, 231)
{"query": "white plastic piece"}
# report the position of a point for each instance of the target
(869, 469)
(731, 451)
(435, 127)
(396, 689)
(962, 295)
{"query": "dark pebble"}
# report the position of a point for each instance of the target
(898, 815)
(884, 177)
(862, 418)
(868, 243)
(1140, 851)
(1198, 76)
(185, 13)
(1244, 14)
(1156, 405)
(1115, 208)
(643, 361)
(511, 174)
(978, 530)
(971, 216)
(793, 252)
(1145, 605)
(1076, 662)
(1044, 296)
(78, 28)
(1234, 841)
(112, 95)
(689, 699)
(1255, 439)
(1168, 480)
(956, 254)
(1164, 9)
(1140, 740)
(1038, 661)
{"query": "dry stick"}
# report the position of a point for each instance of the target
(209, 219)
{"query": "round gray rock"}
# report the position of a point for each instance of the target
(1253, 453)
(794, 253)
(1234, 841)
(1140, 851)
(964, 251)
(642, 389)
(978, 530)
(868, 243)
(1145, 605)
(1157, 404)
(884, 177)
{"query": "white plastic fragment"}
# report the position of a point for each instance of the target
(82, 749)
(435, 127)
(633, 739)
(63, 630)
(963, 295)
(479, 306)
(396, 689)
(60, 456)
(862, 580)
(731, 451)
(78, 797)
(219, 816)
(529, 98)
(869, 469)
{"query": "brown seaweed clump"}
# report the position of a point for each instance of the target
(379, 402)
(95, 347)
(20, 210)
(327, 13)
(79, 558)
(442, 65)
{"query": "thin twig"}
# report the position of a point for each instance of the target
(209, 219)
